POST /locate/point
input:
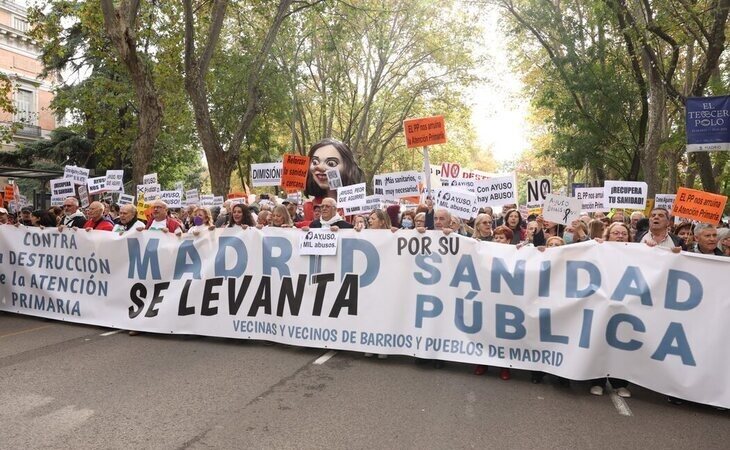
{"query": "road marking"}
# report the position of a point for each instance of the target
(323, 359)
(24, 331)
(109, 333)
(621, 406)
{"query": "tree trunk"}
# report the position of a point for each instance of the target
(119, 24)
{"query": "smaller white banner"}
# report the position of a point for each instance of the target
(497, 191)
(57, 200)
(150, 178)
(624, 194)
(351, 198)
(665, 201)
(458, 202)
(172, 198)
(371, 202)
(561, 209)
(591, 199)
(334, 179)
(96, 185)
(401, 184)
(77, 174)
(463, 183)
(125, 199)
(537, 191)
(62, 188)
(207, 199)
(179, 186)
(192, 197)
(379, 185)
(115, 180)
(84, 196)
(318, 242)
(150, 191)
(266, 174)
(218, 200)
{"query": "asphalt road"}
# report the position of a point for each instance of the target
(69, 386)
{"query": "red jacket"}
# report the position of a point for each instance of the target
(103, 224)
(170, 224)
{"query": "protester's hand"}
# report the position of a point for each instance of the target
(60, 228)
(88, 229)
(259, 226)
(447, 231)
(541, 248)
(285, 225)
(16, 225)
(211, 228)
(139, 228)
(599, 240)
(676, 249)
(651, 243)
(178, 232)
(165, 230)
(359, 226)
(334, 228)
(393, 229)
(196, 232)
(540, 221)
(421, 229)
(305, 228)
(41, 227)
(244, 226)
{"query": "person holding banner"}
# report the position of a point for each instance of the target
(513, 221)
(280, 217)
(684, 230)
(379, 220)
(658, 234)
(127, 219)
(42, 218)
(72, 217)
(330, 218)
(3, 216)
(160, 220)
(97, 221)
(240, 216)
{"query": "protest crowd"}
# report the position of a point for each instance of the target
(318, 209)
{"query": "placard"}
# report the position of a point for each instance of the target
(294, 172)
(467, 184)
(57, 200)
(9, 193)
(458, 202)
(351, 198)
(379, 185)
(591, 199)
(664, 201)
(84, 196)
(206, 199)
(150, 178)
(115, 180)
(318, 241)
(218, 200)
(179, 186)
(266, 174)
(333, 178)
(425, 131)
(624, 194)
(192, 197)
(698, 205)
(401, 184)
(537, 191)
(172, 198)
(125, 199)
(77, 174)
(62, 188)
(561, 209)
(497, 191)
(96, 185)
(371, 202)
(151, 191)
(708, 123)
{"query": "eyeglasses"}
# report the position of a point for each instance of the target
(618, 233)
(68, 206)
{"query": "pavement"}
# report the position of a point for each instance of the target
(71, 386)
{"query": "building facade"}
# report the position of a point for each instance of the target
(20, 61)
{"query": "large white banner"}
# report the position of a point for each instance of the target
(581, 311)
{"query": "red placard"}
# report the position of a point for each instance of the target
(425, 131)
(294, 172)
(699, 205)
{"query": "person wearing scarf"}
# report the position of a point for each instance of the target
(127, 219)
(329, 217)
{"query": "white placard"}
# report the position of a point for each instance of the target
(125, 199)
(351, 198)
(497, 191)
(624, 194)
(207, 199)
(150, 191)
(218, 200)
(458, 202)
(96, 185)
(561, 209)
(318, 242)
(467, 184)
(62, 188)
(58, 200)
(84, 196)
(77, 174)
(266, 174)
(150, 178)
(179, 186)
(401, 184)
(371, 202)
(172, 198)
(192, 197)
(379, 185)
(115, 180)
(664, 201)
(334, 179)
(591, 199)
(537, 191)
